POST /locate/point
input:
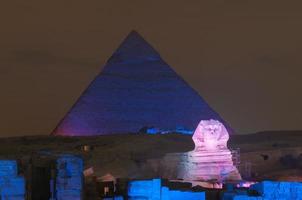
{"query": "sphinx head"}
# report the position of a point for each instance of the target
(210, 135)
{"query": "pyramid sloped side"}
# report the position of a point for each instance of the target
(128, 96)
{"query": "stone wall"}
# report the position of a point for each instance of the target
(69, 181)
(12, 186)
(268, 190)
(153, 190)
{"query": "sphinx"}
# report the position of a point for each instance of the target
(210, 135)
(211, 159)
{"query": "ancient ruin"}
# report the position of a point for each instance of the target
(136, 90)
(211, 160)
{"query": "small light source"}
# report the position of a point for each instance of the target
(106, 190)
(87, 148)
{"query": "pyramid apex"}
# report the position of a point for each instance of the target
(134, 32)
(134, 48)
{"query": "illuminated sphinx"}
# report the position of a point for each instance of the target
(210, 135)
(211, 159)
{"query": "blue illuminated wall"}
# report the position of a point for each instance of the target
(153, 190)
(69, 180)
(279, 190)
(269, 190)
(12, 186)
(136, 89)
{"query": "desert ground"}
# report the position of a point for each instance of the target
(275, 155)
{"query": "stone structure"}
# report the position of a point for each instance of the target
(267, 190)
(69, 179)
(136, 89)
(210, 135)
(211, 160)
(12, 186)
(153, 190)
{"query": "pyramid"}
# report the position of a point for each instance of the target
(136, 89)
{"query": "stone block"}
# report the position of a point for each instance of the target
(12, 186)
(14, 197)
(73, 183)
(150, 189)
(181, 195)
(279, 190)
(68, 165)
(69, 195)
(8, 168)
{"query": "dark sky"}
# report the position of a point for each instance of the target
(243, 57)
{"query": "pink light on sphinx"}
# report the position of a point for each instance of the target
(211, 159)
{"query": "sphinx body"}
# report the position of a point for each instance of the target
(211, 159)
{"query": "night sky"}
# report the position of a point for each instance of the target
(244, 57)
